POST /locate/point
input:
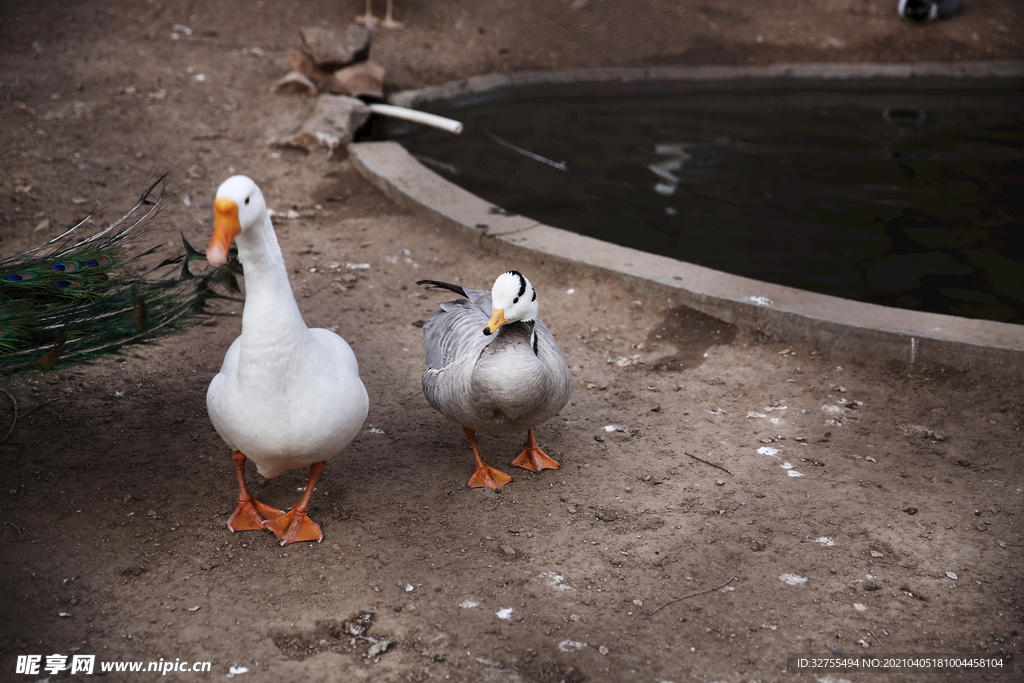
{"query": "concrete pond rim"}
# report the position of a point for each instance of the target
(779, 311)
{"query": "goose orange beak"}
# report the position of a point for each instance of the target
(225, 229)
(496, 321)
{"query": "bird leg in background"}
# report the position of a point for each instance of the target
(533, 458)
(295, 525)
(484, 475)
(389, 21)
(369, 21)
(250, 513)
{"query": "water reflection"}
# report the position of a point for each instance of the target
(904, 199)
(686, 162)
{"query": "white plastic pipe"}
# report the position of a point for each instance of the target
(416, 116)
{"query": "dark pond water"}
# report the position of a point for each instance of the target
(913, 200)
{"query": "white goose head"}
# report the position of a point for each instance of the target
(513, 299)
(239, 206)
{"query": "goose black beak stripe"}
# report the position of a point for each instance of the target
(496, 321)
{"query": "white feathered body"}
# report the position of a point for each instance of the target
(286, 396)
(510, 381)
(280, 422)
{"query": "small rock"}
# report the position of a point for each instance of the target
(333, 124)
(294, 83)
(358, 80)
(638, 603)
(508, 550)
(875, 553)
(378, 648)
(152, 514)
(332, 49)
(603, 650)
(719, 482)
(303, 64)
(435, 655)
(923, 432)
(952, 575)
(910, 511)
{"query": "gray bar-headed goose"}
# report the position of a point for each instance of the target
(494, 367)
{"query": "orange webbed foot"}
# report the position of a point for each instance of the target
(489, 477)
(485, 475)
(294, 526)
(251, 514)
(533, 458)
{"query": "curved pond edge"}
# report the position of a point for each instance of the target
(655, 79)
(776, 310)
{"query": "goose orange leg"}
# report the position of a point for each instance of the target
(533, 458)
(295, 525)
(484, 475)
(250, 513)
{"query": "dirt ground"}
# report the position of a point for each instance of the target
(869, 507)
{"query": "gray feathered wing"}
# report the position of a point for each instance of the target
(512, 380)
(455, 329)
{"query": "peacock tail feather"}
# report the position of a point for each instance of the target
(72, 300)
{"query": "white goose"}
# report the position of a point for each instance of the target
(286, 396)
(494, 367)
